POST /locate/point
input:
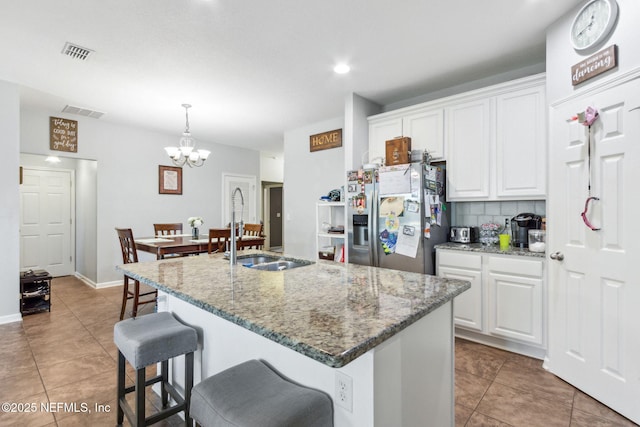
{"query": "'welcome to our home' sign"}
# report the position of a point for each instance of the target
(63, 135)
(325, 140)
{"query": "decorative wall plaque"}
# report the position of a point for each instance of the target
(594, 65)
(169, 180)
(63, 135)
(325, 140)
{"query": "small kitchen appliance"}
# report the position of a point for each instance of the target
(463, 234)
(520, 226)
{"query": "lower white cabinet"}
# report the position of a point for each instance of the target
(467, 306)
(505, 306)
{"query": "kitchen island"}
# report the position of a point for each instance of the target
(386, 335)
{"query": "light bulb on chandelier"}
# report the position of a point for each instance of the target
(185, 153)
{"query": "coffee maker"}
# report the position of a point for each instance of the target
(520, 226)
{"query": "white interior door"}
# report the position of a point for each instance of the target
(247, 185)
(46, 235)
(594, 323)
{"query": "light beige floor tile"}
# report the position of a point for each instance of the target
(36, 416)
(462, 414)
(76, 369)
(90, 391)
(15, 387)
(586, 404)
(469, 389)
(520, 408)
(53, 353)
(537, 381)
(480, 420)
(484, 365)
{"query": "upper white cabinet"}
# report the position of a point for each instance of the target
(521, 143)
(469, 150)
(424, 125)
(496, 143)
(493, 139)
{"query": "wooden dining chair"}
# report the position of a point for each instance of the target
(167, 229)
(253, 230)
(222, 235)
(130, 255)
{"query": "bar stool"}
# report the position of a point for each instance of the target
(252, 395)
(147, 340)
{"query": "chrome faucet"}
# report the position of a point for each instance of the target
(233, 256)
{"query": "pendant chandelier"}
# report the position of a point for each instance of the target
(186, 153)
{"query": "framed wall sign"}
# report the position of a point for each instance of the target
(325, 140)
(169, 180)
(63, 135)
(598, 63)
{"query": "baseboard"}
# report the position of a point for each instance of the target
(95, 285)
(503, 344)
(11, 318)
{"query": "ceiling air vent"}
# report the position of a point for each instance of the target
(82, 112)
(76, 52)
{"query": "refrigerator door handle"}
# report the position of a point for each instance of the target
(373, 230)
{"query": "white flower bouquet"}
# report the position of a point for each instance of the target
(195, 221)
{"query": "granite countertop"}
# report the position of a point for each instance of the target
(328, 311)
(490, 249)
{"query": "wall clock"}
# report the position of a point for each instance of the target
(593, 23)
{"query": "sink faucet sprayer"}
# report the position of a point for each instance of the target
(232, 251)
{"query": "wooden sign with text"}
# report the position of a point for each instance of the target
(325, 140)
(63, 135)
(594, 65)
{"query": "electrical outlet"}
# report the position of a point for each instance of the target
(344, 391)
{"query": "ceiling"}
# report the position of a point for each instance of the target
(254, 69)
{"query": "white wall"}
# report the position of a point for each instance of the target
(271, 167)
(307, 176)
(127, 179)
(356, 129)
(561, 56)
(10, 206)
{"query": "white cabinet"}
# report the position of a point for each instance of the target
(469, 150)
(330, 219)
(381, 131)
(520, 143)
(515, 298)
(496, 143)
(467, 307)
(424, 125)
(505, 306)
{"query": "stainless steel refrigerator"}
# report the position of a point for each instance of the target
(396, 215)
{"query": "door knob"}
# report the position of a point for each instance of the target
(558, 256)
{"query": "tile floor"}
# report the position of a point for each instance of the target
(68, 356)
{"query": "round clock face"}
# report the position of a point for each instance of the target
(593, 23)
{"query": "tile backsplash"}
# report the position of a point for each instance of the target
(478, 213)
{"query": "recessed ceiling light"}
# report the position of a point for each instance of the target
(341, 69)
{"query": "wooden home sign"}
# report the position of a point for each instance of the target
(63, 135)
(325, 140)
(594, 65)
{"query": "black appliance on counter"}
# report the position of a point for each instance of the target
(520, 226)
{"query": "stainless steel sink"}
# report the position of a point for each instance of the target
(251, 260)
(271, 263)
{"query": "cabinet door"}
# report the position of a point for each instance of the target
(380, 132)
(467, 307)
(426, 130)
(515, 307)
(520, 143)
(468, 142)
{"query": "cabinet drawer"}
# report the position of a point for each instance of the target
(518, 266)
(460, 259)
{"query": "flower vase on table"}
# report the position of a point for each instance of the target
(195, 222)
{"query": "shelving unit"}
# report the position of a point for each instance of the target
(35, 291)
(332, 214)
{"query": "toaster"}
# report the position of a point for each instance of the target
(463, 234)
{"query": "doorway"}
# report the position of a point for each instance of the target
(47, 215)
(272, 209)
(247, 184)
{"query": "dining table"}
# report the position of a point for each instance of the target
(186, 244)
